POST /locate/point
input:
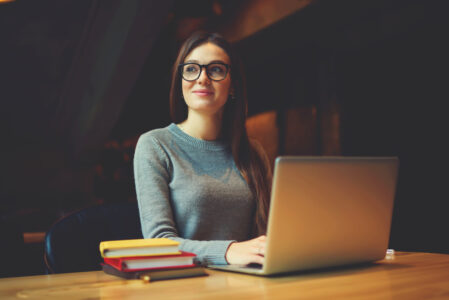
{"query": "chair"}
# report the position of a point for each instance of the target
(72, 243)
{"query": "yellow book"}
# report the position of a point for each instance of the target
(139, 247)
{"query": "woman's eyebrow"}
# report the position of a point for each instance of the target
(211, 62)
(218, 61)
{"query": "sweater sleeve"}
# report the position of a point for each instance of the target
(152, 173)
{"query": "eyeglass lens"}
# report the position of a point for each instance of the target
(214, 71)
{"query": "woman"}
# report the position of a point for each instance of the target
(200, 180)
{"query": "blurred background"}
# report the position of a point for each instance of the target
(80, 80)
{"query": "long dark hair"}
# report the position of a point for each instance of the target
(247, 156)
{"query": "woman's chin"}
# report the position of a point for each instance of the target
(205, 105)
(206, 109)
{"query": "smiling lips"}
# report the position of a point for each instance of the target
(203, 92)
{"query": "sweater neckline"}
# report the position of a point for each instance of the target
(217, 145)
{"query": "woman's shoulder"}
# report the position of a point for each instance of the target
(157, 134)
(154, 139)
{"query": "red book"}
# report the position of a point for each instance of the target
(141, 263)
(156, 274)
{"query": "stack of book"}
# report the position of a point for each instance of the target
(148, 259)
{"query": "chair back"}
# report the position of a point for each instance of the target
(72, 243)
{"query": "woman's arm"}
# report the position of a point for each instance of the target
(152, 172)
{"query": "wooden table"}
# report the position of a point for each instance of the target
(402, 276)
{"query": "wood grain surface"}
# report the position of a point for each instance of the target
(404, 275)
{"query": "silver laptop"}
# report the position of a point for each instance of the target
(327, 212)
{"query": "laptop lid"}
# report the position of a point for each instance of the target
(329, 211)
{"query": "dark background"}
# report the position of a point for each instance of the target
(81, 80)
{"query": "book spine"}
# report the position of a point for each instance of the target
(158, 268)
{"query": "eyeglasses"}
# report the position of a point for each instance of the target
(216, 71)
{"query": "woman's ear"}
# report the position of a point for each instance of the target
(232, 93)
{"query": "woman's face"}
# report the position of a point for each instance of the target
(204, 95)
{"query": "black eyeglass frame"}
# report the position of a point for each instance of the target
(181, 73)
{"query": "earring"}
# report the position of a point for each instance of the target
(232, 96)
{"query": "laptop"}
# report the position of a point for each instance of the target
(327, 212)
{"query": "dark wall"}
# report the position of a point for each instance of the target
(394, 93)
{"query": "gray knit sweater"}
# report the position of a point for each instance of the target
(191, 191)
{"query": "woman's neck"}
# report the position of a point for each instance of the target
(202, 127)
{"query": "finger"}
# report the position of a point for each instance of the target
(259, 250)
(262, 245)
(256, 249)
(258, 259)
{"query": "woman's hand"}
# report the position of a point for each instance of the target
(243, 253)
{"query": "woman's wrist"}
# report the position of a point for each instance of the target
(227, 252)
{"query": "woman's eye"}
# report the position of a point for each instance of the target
(190, 69)
(217, 69)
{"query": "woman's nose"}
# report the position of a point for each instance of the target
(203, 79)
